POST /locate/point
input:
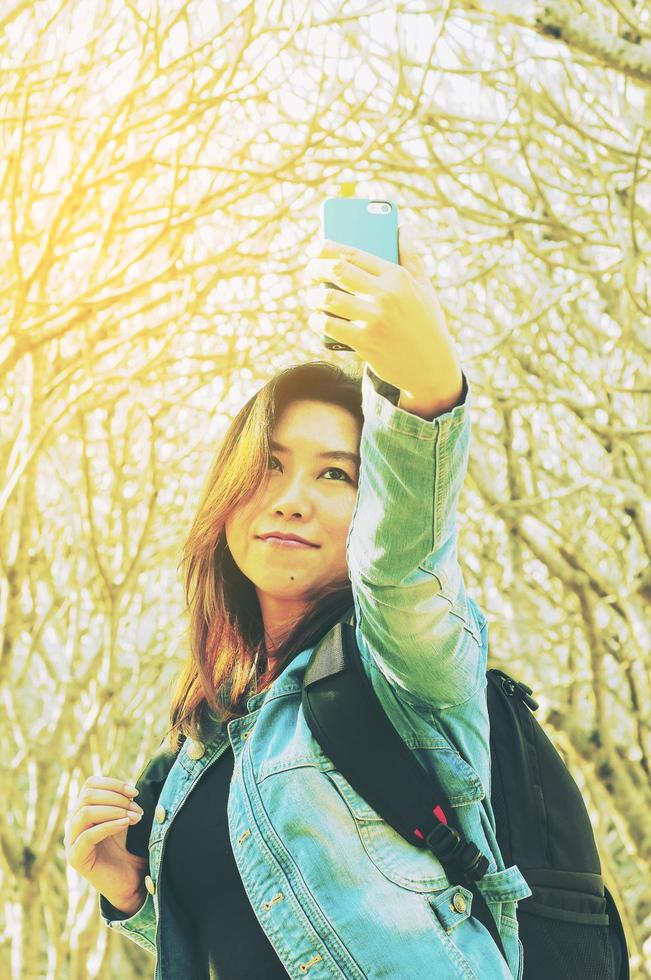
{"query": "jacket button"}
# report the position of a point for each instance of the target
(459, 902)
(159, 812)
(149, 885)
(195, 748)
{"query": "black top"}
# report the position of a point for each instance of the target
(203, 884)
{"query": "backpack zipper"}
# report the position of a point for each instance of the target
(511, 687)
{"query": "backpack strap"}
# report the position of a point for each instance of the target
(342, 710)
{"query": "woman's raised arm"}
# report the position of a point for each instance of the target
(410, 599)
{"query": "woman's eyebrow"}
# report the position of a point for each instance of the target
(332, 454)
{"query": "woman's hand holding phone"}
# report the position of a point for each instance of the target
(396, 323)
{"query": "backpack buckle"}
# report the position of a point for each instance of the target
(448, 846)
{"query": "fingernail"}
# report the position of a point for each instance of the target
(128, 788)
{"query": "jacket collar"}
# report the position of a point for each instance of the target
(289, 682)
(291, 679)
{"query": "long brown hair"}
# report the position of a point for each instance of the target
(226, 634)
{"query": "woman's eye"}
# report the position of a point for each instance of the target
(337, 469)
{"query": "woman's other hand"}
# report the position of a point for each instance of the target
(95, 839)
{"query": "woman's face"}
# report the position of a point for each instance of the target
(307, 494)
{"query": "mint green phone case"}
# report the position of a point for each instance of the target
(349, 221)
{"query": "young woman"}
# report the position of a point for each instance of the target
(255, 857)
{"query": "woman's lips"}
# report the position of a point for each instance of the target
(281, 543)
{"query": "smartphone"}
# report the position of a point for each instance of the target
(366, 223)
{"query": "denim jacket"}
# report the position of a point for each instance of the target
(337, 890)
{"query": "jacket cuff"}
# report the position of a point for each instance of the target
(140, 927)
(380, 400)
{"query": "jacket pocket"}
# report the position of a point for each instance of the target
(399, 861)
(402, 863)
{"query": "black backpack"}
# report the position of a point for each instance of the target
(570, 928)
